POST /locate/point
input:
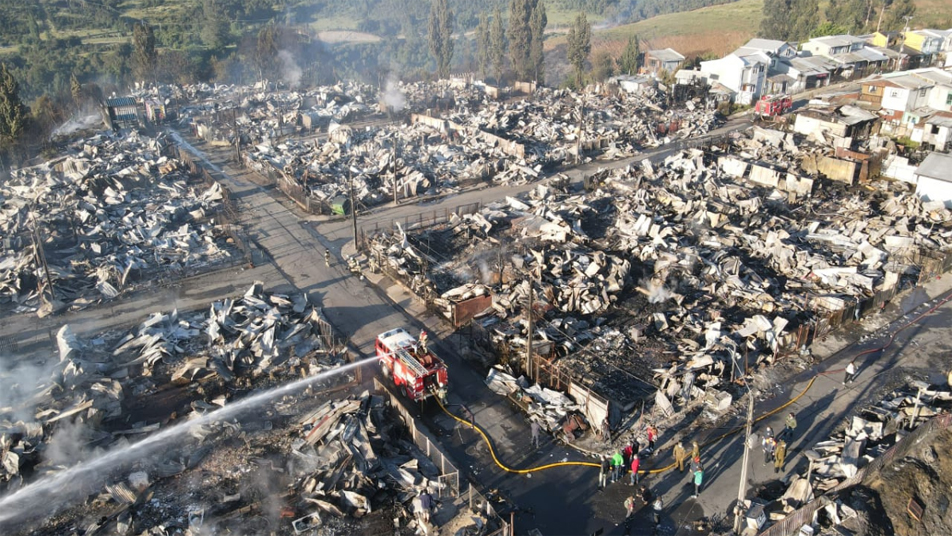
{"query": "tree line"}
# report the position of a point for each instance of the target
(799, 20)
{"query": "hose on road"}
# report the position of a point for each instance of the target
(709, 442)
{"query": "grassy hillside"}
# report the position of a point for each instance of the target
(719, 29)
(716, 29)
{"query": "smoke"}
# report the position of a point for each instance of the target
(485, 271)
(20, 382)
(290, 71)
(77, 123)
(66, 445)
(657, 293)
(392, 96)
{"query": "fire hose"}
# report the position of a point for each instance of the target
(708, 442)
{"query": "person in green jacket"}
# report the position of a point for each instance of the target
(698, 478)
(617, 462)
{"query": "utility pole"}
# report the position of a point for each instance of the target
(905, 30)
(880, 22)
(393, 167)
(529, 338)
(41, 258)
(234, 122)
(353, 210)
(742, 488)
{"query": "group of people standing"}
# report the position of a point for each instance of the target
(697, 470)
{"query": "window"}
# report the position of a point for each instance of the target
(872, 89)
(922, 92)
(718, 77)
(948, 99)
(894, 93)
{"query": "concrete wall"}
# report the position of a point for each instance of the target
(838, 170)
(896, 98)
(732, 166)
(898, 168)
(764, 175)
(930, 189)
(807, 125)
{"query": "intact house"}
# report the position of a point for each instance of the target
(907, 100)
(808, 72)
(668, 60)
(929, 43)
(934, 179)
(746, 75)
(849, 52)
(937, 132)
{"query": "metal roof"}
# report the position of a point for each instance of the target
(936, 166)
(773, 45)
(121, 101)
(666, 55)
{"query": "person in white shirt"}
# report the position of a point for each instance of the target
(850, 372)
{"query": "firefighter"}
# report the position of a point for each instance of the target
(423, 342)
(680, 454)
(327, 258)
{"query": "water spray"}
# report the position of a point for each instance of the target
(58, 491)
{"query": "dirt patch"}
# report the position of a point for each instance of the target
(924, 476)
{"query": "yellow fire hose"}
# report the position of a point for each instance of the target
(732, 431)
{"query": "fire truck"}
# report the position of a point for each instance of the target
(411, 366)
(773, 105)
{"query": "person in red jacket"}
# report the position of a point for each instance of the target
(635, 462)
(652, 436)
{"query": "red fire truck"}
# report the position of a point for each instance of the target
(773, 105)
(411, 365)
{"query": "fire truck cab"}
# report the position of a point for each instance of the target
(773, 105)
(412, 367)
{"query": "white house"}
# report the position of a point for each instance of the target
(744, 75)
(934, 179)
(831, 45)
(779, 50)
(937, 131)
(905, 93)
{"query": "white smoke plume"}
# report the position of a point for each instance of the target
(67, 445)
(77, 123)
(291, 72)
(656, 292)
(392, 96)
(20, 383)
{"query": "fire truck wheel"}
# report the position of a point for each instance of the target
(409, 392)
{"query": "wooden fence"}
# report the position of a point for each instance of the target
(449, 474)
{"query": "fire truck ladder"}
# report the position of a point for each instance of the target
(410, 362)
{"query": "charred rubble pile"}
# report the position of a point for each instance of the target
(680, 271)
(554, 123)
(108, 390)
(479, 139)
(863, 438)
(263, 114)
(380, 162)
(111, 213)
(302, 465)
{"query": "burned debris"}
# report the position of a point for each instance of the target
(171, 367)
(839, 469)
(114, 212)
(685, 274)
(475, 139)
